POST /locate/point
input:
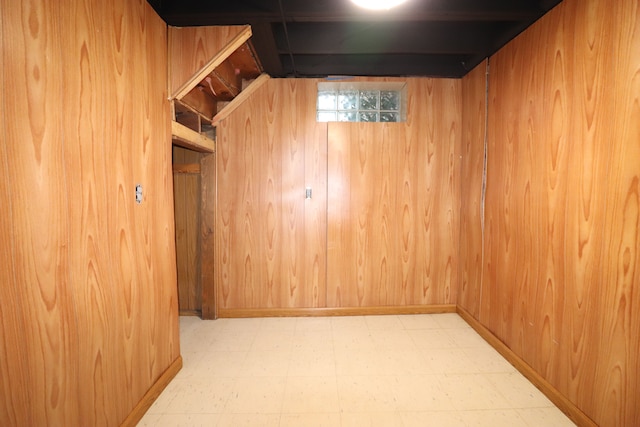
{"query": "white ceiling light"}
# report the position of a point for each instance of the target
(378, 4)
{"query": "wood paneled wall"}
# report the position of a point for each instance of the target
(560, 283)
(88, 319)
(187, 194)
(472, 188)
(271, 242)
(392, 202)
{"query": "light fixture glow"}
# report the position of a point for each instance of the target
(378, 4)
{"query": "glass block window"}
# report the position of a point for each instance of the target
(361, 102)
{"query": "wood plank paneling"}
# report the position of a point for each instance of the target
(89, 313)
(617, 381)
(471, 188)
(270, 243)
(159, 329)
(364, 251)
(393, 203)
(85, 106)
(388, 203)
(560, 274)
(40, 226)
(14, 366)
(187, 192)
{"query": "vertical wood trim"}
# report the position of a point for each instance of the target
(207, 236)
(560, 273)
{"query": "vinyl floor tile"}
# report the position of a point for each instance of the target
(392, 371)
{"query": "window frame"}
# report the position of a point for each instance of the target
(333, 114)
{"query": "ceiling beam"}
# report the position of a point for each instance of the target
(264, 43)
(387, 65)
(385, 38)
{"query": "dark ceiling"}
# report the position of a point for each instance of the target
(317, 38)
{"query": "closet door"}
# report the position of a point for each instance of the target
(393, 195)
(371, 238)
(271, 239)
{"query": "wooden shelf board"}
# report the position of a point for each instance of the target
(188, 138)
(189, 168)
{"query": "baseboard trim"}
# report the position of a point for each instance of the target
(152, 394)
(196, 313)
(565, 405)
(338, 311)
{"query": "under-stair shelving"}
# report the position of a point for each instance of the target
(213, 70)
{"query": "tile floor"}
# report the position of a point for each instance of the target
(413, 370)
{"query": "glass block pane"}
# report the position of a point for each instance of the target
(327, 100)
(369, 100)
(368, 117)
(347, 101)
(389, 117)
(389, 100)
(344, 116)
(326, 116)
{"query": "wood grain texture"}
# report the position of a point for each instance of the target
(617, 381)
(187, 192)
(393, 203)
(337, 311)
(191, 48)
(14, 367)
(238, 100)
(190, 139)
(267, 254)
(471, 188)
(89, 322)
(558, 399)
(152, 394)
(207, 236)
(42, 302)
(560, 277)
